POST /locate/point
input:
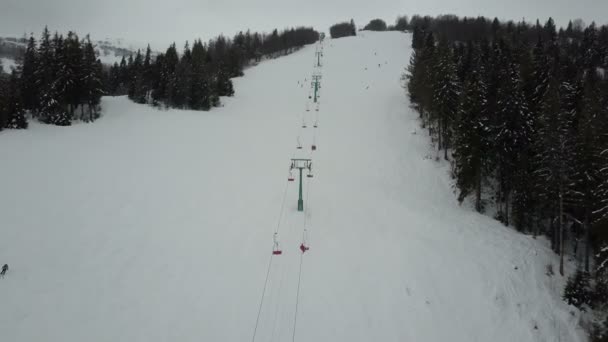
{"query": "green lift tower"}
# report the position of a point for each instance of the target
(301, 164)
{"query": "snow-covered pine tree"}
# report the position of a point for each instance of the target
(123, 78)
(15, 111)
(44, 73)
(578, 290)
(92, 80)
(56, 112)
(29, 90)
(168, 79)
(472, 133)
(3, 101)
(590, 47)
(421, 78)
(512, 127)
(446, 91)
(180, 95)
(135, 78)
(417, 37)
(587, 164)
(554, 169)
(72, 70)
(199, 88)
(147, 75)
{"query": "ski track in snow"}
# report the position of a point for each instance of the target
(154, 225)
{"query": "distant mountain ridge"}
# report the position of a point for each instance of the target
(109, 51)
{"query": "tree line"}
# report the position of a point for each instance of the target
(376, 25)
(344, 29)
(201, 73)
(521, 113)
(60, 79)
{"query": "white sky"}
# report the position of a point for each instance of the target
(161, 22)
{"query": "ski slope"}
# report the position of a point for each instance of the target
(153, 225)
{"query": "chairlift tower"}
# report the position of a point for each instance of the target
(301, 164)
(316, 83)
(319, 54)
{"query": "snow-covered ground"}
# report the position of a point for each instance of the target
(7, 64)
(157, 225)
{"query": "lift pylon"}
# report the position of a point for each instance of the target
(301, 164)
(316, 84)
(319, 54)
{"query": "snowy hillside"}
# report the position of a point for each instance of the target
(7, 64)
(158, 225)
(109, 51)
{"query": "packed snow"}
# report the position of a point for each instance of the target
(157, 225)
(7, 64)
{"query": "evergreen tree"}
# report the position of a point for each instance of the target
(472, 139)
(183, 80)
(72, 69)
(587, 165)
(417, 37)
(512, 127)
(44, 72)
(15, 111)
(554, 160)
(578, 290)
(376, 25)
(123, 76)
(135, 78)
(3, 101)
(445, 95)
(29, 90)
(199, 92)
(91, 80)
(147, 75)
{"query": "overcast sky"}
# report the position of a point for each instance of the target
(161, 22)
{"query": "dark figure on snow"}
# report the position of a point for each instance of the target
(4, 269)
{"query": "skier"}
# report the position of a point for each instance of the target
(4, 269)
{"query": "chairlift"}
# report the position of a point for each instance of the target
(304, 245)
(275, 247)
(314, 147)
